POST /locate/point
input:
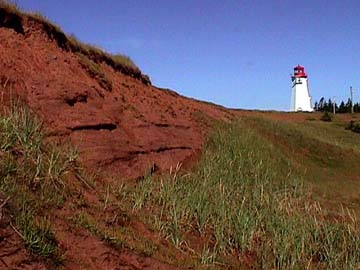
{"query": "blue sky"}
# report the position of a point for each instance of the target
(235, 53)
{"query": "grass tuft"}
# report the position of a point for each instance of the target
(95, 71)
(326, 117)
(108, 235)
(10, 7)
(26, 158)
(10, 16)
(353, 126)
(38, 235)
(33, 174)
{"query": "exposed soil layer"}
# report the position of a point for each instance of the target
(85, 251)
(125, 131)
(121, 125)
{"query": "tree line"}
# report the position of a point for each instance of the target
(328, 106)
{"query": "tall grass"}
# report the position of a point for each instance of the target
(97, 54)
(325, 152)
(246, 197)
(33, 175)
(26, 157)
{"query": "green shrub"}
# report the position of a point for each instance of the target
(353, 126)
(326, 117)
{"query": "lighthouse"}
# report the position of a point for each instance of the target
(300, 94)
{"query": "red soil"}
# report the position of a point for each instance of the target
(13, 254)
(84, 251)
(124, 132)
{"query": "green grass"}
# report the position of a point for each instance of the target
(38, 235)
(111, 236)
(121, 59)
(353, 126)
(95, 71)
(333, 133)
(326, 155)
(95, 53)
(27, 158)
(326, 117)
(33, 174)
(248, 196)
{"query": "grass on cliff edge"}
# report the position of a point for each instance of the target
(33, 177)
(248, 198)
(94, 53)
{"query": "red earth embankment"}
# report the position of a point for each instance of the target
(125, 129)
(121, 124)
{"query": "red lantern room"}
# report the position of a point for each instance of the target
(299, 72)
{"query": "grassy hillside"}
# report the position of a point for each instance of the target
(267, 194)
(252, 197)
(326, 153)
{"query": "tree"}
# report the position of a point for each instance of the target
(316, 106)
(342, 107)
(348, 105)
(327, 106)
(321, 104)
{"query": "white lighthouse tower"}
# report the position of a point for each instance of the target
(300, 95)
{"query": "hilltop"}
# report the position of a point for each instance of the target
(100, 169)
(108, 109)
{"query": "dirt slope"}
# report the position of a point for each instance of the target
(125, 130)
(13, 254)
(121, 124)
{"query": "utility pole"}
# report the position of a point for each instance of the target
(334, 105)
(352, 101)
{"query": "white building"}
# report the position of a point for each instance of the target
(300, 95)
